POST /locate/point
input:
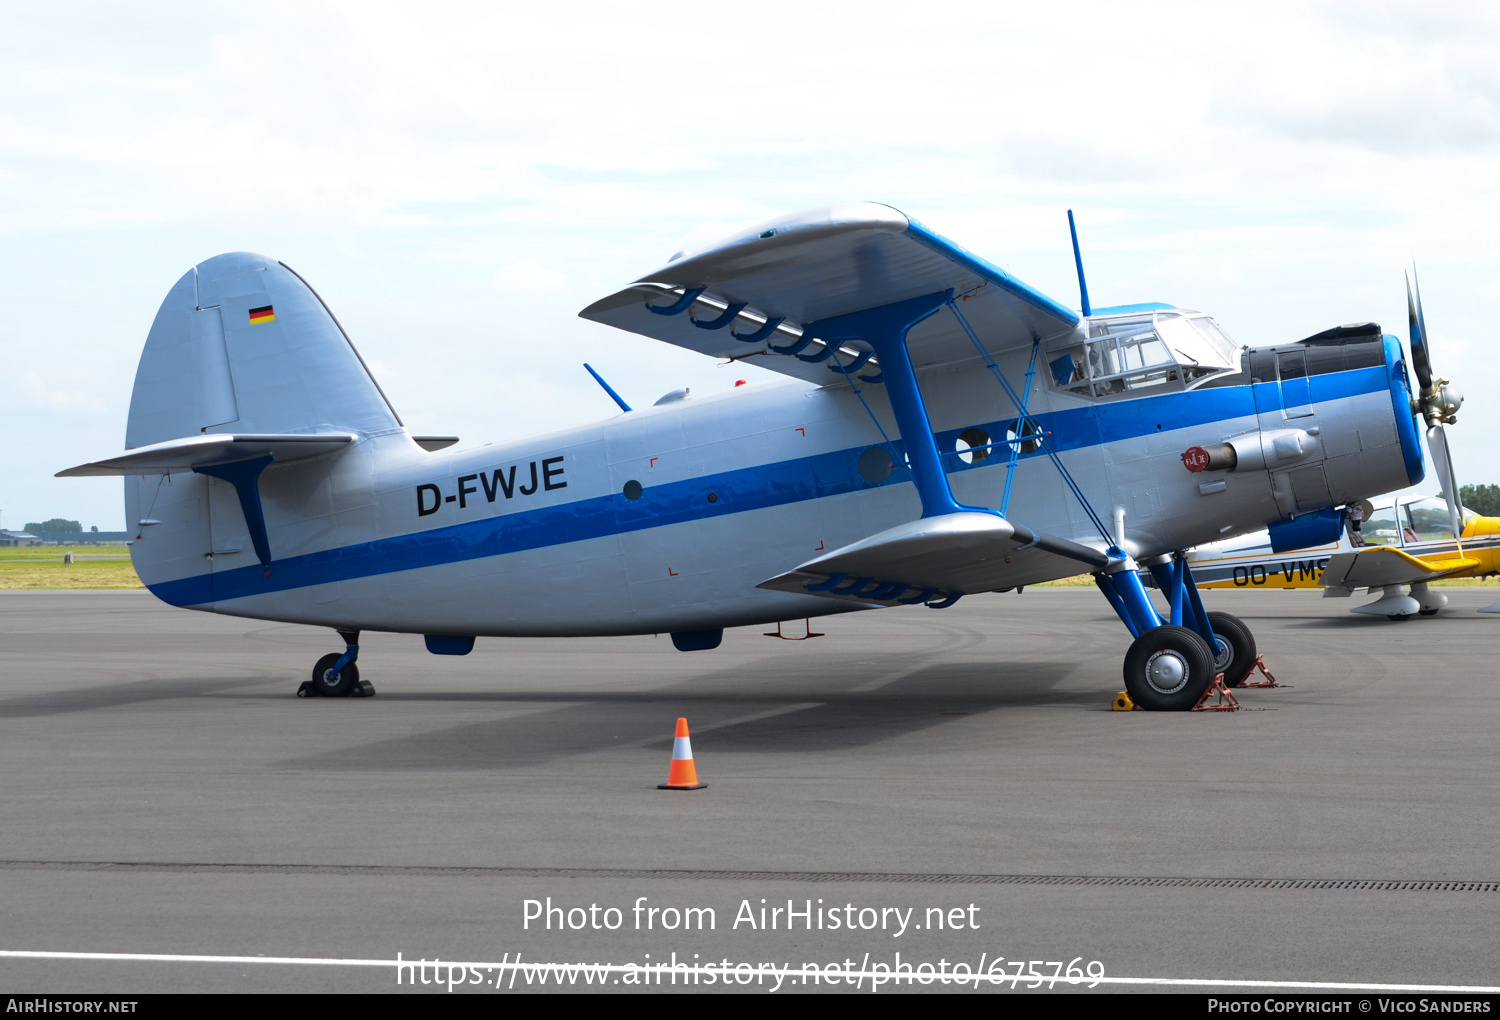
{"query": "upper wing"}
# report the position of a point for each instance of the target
(938, 558)
(752, 293)
(1378, 566)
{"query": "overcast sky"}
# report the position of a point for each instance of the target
(457, 182)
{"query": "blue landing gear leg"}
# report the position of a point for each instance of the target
(1168, 666)
(336, 676)
(1230, 640)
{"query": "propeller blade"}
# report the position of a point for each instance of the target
(1416, 286)
(1442, 459)
(1419, 359)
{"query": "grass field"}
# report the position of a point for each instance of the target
(93, 566)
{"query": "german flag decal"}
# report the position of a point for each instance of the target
(265, 314)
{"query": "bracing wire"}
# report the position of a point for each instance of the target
(1021, 421)
(896, 457)
(1041, 434)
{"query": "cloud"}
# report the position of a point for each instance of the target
(529, 276)
(1275, 165)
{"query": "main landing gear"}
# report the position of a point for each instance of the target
(1172, 661)
(336, 676)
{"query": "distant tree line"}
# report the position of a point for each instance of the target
(55, 524)
(1482, 499)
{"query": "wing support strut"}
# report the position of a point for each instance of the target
(244, 475)
(884, 328)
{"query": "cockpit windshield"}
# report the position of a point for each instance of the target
(1410, 523)
(1427, 520)
(1126, 353)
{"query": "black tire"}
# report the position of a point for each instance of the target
(1427, 612)
(334, 685)
(1235, 654)
(1168, 668)
(1398, 617)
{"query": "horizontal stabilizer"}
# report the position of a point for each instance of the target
(751, 295)
(1378, 566)
(217, 448)
(937, 558)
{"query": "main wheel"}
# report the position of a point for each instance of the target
(1427, 612)
(330, 684)
(1168, 668)
(1234, 655)
(1398, 617)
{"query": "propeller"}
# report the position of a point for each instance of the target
(1436, 403)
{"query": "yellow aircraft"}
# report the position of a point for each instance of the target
(1384, 547)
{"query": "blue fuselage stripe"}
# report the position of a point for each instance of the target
(753, 488)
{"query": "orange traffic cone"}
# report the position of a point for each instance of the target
(682, 776)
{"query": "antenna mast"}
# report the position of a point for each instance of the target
(1083, 287)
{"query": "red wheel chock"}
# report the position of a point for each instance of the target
(1259, 667)
(1227, 702)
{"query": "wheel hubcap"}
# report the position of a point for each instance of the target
(1223, 653)
(1166, 671)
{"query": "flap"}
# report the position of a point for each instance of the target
(216, 448)
(749, 295)
(1378, 566)
(938, 558)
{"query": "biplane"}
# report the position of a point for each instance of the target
(943, 430)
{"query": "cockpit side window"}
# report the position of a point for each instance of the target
(1125, 354)
(1381, 528)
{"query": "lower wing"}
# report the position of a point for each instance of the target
(939, 558)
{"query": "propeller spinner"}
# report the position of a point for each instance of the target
(1437, 403)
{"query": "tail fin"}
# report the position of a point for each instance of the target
(243, 344)
(244, 366)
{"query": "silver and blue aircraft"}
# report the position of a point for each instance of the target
(944, 430)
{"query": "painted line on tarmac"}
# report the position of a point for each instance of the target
(1028, 981)
(439, 871)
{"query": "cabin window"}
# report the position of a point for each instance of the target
(973, 446)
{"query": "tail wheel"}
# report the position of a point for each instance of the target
(334, 685)
(1235, 653)
(1168, 668)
